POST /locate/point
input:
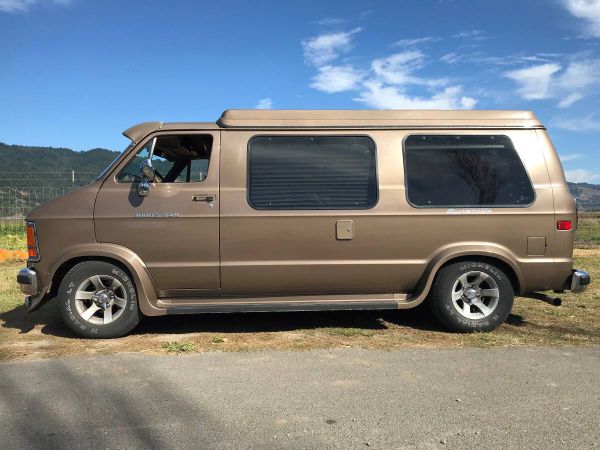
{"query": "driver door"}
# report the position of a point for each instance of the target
(175, 229)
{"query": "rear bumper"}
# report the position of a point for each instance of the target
(579, 281)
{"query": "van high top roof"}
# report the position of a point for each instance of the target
(351, 119)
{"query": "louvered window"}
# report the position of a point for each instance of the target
(312, 172)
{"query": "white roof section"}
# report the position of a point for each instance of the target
(256, 118)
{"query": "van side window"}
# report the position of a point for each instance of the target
(312, 172)
(465, 171)
(178, 158)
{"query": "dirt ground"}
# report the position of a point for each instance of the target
(42, 335)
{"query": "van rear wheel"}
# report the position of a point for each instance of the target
(471, 296)
(98, 300)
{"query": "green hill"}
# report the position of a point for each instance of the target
(587, 195)
(26, 162)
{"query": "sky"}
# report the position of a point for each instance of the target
(76, 73)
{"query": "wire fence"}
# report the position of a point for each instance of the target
(20, 192)
(68, 179)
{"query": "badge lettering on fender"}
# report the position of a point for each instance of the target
(156, 215)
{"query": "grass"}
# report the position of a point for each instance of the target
(42, 335)
(12, 238)
(179, 347)
(588, 230)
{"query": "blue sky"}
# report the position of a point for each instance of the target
(75, 73)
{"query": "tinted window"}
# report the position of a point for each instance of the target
(312, 172)
(465, 171)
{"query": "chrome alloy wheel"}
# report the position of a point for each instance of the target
(475, 295)
(100, 299)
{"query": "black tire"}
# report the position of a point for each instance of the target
(447, 311)
(128, 313)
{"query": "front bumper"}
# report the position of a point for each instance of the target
(28, 282)
(579, 281)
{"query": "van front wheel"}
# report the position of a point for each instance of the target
(98, 300)
(471, 296)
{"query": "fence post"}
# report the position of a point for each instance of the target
(73, 176)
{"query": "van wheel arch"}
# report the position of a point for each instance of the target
(502, 265)
(64, 268)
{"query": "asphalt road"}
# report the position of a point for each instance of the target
(493, 398)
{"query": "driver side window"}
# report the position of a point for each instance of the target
(176, 159)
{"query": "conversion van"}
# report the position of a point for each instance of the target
(311, 210)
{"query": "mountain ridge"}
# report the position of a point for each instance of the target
(33, 159)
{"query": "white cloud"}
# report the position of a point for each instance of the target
(264, 103)
(581, 176)
(397, 69)
(504, 60)
(332, 79)
(588, 10)
(387, 81)
(580, 74)
(330, 21)
(377, 95)
(322, 49)
(582, 124)
(570, 157)
(16, 6)
(546, 81)
(451, 58)
(469, 33)
(473, 34)
(534, 81)
(569, 100)
(416, 41)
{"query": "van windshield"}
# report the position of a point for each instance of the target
(112, 163)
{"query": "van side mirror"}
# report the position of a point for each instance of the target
(148, 172)
(148, 175)
(143, 188)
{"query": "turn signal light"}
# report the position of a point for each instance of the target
(32, 242)
(564, 225)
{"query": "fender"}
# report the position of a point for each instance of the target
(454, 251)
(143, 281)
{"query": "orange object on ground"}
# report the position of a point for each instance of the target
(12, 255)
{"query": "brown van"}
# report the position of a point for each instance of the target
(311, 210)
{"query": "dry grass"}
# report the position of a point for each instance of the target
(588, 230)
(42, 335)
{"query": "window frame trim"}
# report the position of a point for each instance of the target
(262, 135)
(514, 149)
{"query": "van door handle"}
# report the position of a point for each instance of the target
(208, 198)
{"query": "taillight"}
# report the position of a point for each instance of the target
(564, 225)
(32, 242)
